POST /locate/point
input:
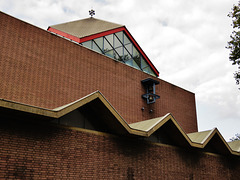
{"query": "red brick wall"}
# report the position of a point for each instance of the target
(41, 69)
(29, 151)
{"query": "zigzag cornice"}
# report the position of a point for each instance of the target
(144, 128)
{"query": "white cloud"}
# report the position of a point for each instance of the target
(184, 39)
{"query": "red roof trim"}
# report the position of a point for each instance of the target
(94, 36)
(66, 35)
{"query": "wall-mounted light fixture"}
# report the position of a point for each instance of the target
(149, 85)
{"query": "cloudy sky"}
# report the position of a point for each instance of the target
(184, 39)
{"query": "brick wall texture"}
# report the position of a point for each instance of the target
(35, 151)
(41, 69)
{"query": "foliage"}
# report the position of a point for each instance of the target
(234, 43)
(235, 138)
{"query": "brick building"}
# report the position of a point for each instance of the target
(83, 101)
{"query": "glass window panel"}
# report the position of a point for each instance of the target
(99, 42)
(117, 43)
(126, 40)
(129, 62)
(152, 73)
(107, 46)
(120, 36)
(149, 71)
(87, 44)
(110, 39)
(96, 48)
(116, 56)
(143, 63)
(137, 59)
(135, 52)
(120, 52)
(146, 69)
(110, 53)
(126, 55)
(132, 63)
(129, 48)
(135, 65)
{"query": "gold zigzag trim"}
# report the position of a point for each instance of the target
(144, 128)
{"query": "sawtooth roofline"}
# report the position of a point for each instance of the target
(146, 128)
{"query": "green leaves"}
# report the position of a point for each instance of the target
(234, 43)
(235, 138)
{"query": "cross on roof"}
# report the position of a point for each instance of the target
(91, 12)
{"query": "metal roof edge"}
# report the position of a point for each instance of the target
(62, 110)
(193, 138)
(235, 145)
